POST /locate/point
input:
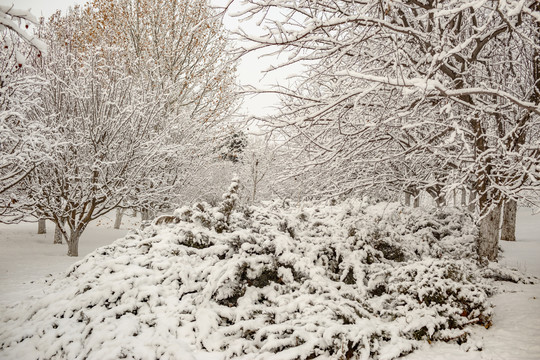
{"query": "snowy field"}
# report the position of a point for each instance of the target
(28, 261)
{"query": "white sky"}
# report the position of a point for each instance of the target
(249, 70)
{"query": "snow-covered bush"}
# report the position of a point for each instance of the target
(330, 282)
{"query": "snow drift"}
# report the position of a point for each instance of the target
(329, 282)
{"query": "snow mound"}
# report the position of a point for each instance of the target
(331, 282)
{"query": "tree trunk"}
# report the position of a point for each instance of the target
(255, 175)
(441, 200)
(73, 243)
(144, 215)
(57, 235)
(41, 227)
(463, 197)
(147, 215)
(437, 195)
(407, 198)
(118, 219)
(254, 193)
(416, 195)
(472, 201)
(508, 231)
(488, 238)
(412, 193)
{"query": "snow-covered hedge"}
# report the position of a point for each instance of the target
(327, 282)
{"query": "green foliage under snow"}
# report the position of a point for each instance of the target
(330, 282)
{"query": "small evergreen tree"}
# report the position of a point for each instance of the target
(230, 199)
(234, 146)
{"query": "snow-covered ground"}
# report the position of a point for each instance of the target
(28, 261)
(515, 334)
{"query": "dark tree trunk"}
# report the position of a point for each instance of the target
(437, 195)
(255, 174)
(147, 215)
(472, 201)
(413, 193)
(441, 201)
(508, 226)
(42, 227)
(118, 218)
(416, 197)
(407, 198)
(144, 215)
(57, 235)
(73, 243)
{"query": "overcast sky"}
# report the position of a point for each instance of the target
(42, 7)
(249, 70)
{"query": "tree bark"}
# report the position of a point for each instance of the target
(508, 226)
(437, 196)
(488, 238)
(408, 198)
(57, 235)
(416, 195)
(472, 201)
(255, 175)
(73, 243)
(412, 193)
(441, 201)
(145, 215)
(118, 218)
(42, 227)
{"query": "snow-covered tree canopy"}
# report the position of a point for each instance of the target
(178, 41)
(137, 93)
(117, 143)
(452, 85)
(24, 144)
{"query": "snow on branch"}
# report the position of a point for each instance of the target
(11, 19)
(427, 85)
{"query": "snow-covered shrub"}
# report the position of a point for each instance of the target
(333, 282)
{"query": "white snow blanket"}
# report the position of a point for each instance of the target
(353, 281)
